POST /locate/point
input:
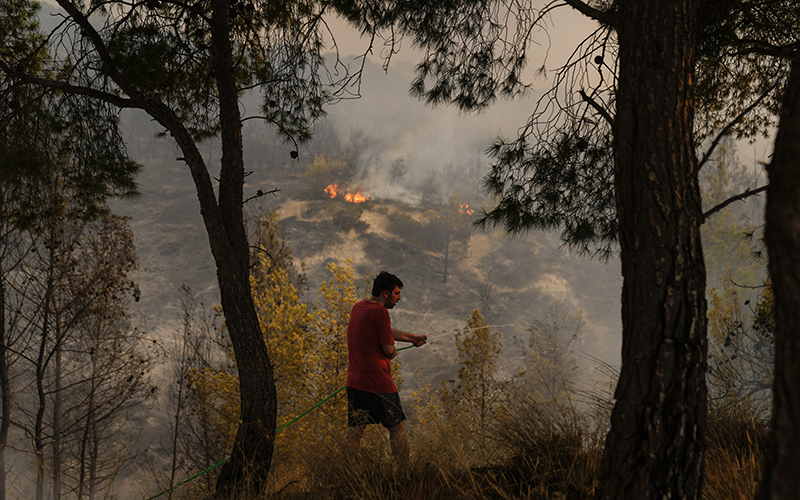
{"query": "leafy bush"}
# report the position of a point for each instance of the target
(405, 227)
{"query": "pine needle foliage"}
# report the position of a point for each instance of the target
(61, 155)
(566, 185)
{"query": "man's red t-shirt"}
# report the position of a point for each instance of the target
(368, 369)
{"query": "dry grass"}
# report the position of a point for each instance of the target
(735, 454)
(542, 452)
(556, 451)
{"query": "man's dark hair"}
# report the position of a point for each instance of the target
(385, 281)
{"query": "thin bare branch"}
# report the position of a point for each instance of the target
(733, 122)
(261, 193)
(597, 107)
(740, 196)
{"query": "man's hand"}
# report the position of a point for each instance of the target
(419, 340)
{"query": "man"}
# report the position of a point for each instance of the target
(371, 392)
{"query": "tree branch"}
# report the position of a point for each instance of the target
(597, 107)
(740, 196)
(69, 88)
(261, 193)
(91, 33)
(730, 125)
(278, 125)
(591, 12)
(766, 49)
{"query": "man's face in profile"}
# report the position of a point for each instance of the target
(392, 298)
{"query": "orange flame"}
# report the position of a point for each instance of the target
(333, 191)
(465, 210)
(356, 197)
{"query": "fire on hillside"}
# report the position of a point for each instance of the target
(333, 191)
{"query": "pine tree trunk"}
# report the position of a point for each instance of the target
(247, 469)
(655, 446)
(781, 479)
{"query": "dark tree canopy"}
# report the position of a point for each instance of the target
(744, 53)
(48, 137)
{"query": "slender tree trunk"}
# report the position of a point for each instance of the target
(178, 411)
(82, 462)
(781, 479)
(251, 457)
(57, 416)
(93, 455)
(38, 429)
(655, 446)
(41, 369)
(85, 476)
(5, 389)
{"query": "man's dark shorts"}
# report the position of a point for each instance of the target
(364, 408)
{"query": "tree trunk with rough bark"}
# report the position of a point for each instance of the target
(655, 446)
(251, 457)
(781, 479)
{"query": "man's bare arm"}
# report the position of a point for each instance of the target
(417, 340)
(390, 351)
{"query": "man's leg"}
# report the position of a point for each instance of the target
(399, 444)
(353, 435)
